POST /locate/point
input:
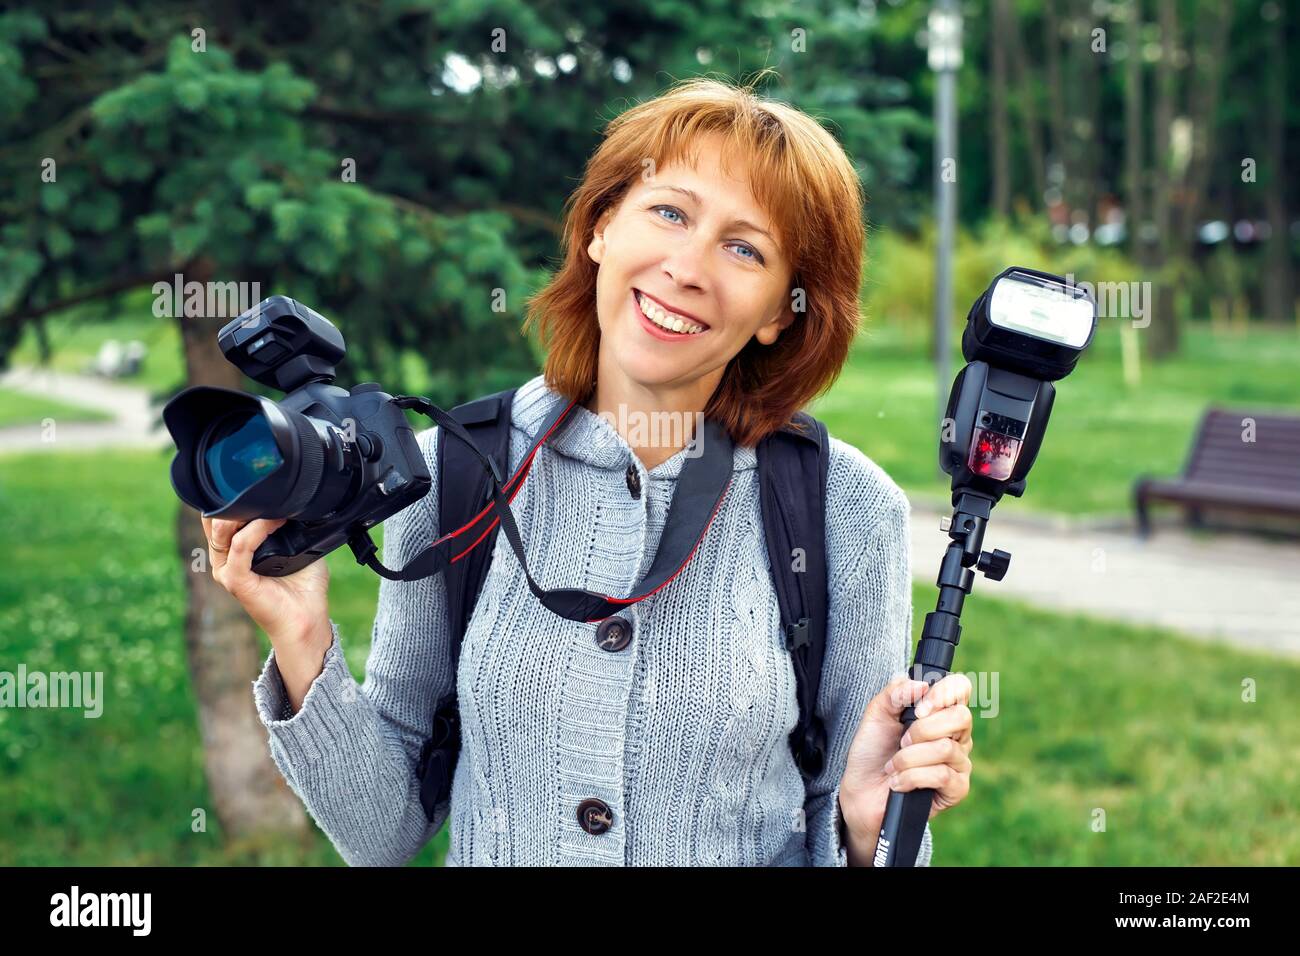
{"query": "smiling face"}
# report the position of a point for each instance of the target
(691, 248)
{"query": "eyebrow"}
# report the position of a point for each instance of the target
(735, 222)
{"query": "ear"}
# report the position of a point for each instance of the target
(768, 333)
(596, 248)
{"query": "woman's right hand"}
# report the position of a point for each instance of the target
(290, 609)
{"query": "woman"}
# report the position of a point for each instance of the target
(712, 265)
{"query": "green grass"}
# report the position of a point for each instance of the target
(1102, 436)
(17, 408)
(1146, 725)
(91, 582)
(1149, 727)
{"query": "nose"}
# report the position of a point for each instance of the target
(687, 265)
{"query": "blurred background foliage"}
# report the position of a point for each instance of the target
(226, 153)
(223, 139)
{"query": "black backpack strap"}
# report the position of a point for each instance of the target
(488, 422)
(792, 467)
(464, 489)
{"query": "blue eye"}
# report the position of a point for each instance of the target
(755, 255)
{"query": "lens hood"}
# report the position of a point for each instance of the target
(274, 466)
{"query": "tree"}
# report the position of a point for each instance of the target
(401, 168)
(1187, 92)
(1279, 303)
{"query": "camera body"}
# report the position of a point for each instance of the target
(332, 461)
(390, 473)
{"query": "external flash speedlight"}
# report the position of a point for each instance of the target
(1024, 332)
(1031, 322)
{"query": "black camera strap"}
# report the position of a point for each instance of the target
(701, 488)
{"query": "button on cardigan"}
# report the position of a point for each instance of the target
(681, 736)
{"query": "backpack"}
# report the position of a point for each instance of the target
(791, 461)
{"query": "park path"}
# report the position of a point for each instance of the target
(1228, 587)
(1239, 590)
(133, 425)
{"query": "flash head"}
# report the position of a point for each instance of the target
(282, 343)
(1031, 322)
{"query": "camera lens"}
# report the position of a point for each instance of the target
(246, 456)
(240, 452)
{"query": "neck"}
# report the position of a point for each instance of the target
(656, 421)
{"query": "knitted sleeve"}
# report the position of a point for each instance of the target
(869, 626)
(350, 752)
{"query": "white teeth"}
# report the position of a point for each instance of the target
(665, 319)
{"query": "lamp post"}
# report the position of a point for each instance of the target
(944, 40)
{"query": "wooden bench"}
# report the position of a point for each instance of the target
(1226, 470)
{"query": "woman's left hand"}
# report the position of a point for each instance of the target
(934, 754)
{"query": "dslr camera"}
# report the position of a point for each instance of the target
(333, 462)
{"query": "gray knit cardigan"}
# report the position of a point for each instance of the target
(681, 734)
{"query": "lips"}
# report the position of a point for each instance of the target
(656, 331)
(675, 311)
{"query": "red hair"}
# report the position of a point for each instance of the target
(804, 181)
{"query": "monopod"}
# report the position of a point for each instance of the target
(1026, 331)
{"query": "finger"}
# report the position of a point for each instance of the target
(952, 689)
(943, 778)
(207, 537)
(246, 543)
(965, 743)
(221, 531)
(215, 558)
(931, 753)
(239, 570)
(895, 696)
(954, 721)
